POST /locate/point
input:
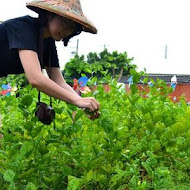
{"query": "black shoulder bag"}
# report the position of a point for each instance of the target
(44, 112)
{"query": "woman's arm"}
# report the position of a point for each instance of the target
(31, 65)
(57, 77)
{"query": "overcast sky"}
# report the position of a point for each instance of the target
(142, 28)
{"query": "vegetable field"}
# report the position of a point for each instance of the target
(139, 142)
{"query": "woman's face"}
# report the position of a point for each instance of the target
(60, 28)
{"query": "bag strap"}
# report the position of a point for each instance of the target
(40, 50)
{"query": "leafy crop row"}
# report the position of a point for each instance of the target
(139, 142)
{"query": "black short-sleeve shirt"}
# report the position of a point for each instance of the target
(23, 33)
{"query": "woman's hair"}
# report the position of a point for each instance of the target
(42, 18)
(77, 31)
(43, 21)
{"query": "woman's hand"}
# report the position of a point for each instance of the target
(89, 103)
(90, 107)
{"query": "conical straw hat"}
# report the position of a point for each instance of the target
(70, 9)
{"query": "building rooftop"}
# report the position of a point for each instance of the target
(181, 79)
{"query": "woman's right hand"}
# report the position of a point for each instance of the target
(89, 103)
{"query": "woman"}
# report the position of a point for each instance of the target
(20, 48)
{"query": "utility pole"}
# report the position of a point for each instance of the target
(77, 48)
(105, 46)
(75, 52)
(166, 51)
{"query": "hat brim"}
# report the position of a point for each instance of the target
(87, 24)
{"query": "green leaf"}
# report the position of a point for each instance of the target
(9, 175)
(31, 186)
(83, 75)
(88, 70)
(134, 181)
(12, 186)
(25, 148)
(89, 175)
(104, 72)
(73, 183)
(78, 115)
(145, 80)
(134, 88)
(27, 100)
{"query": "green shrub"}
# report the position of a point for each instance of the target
(137, 143)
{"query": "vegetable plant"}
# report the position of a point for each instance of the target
(141, 141)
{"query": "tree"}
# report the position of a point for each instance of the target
(117, 64)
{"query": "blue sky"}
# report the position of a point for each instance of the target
(141, 28)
